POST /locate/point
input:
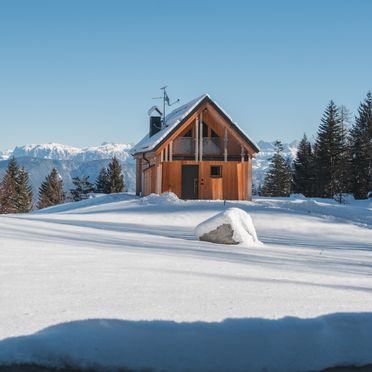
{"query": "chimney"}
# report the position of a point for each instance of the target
(155, 120)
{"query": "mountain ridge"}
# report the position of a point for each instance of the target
(59, 151)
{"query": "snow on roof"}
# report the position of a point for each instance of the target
(171, 122)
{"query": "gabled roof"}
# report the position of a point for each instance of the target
(176, 118)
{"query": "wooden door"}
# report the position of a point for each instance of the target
(190, 182)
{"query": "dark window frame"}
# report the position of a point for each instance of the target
(205, 130)
(214, 134)
(188, 134)
(216, 171)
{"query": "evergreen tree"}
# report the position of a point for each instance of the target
(361, 149)
(278, 178)
(15, 191)
(51, 190)
(345, 117)
(115, 176)
(102, 182)
(347, 173)
(330, 154)
(303, 169)
(8, 188)
(24, 192)
(82, 188)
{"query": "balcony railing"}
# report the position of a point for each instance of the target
(185, 146)
(212, 146)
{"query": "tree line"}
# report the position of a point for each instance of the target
(339, 161)
(16, 194)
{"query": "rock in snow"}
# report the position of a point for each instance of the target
(232, 226)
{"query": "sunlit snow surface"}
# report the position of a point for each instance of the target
(123, 260)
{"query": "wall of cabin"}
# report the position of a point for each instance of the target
(232, 185)
(149, 181)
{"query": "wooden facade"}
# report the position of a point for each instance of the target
(204, 156)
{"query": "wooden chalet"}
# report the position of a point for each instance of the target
(197, 152)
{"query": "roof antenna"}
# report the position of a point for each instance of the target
(166, 100)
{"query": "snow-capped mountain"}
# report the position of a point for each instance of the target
(4, 155)
(58, 151)
(70, 161)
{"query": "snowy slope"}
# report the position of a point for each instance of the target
(111, 282)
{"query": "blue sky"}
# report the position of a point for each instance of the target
(81, 72)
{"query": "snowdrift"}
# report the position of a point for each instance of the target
(163, 199)
(232, 226)
(292, 344)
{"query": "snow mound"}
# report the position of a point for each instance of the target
(344, 198)
(164, 198)
(232, 226)
(248, 344)
(297, 197)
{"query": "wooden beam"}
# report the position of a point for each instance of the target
(239, 183)
(242, 153)
(196, 139)
(225, 146)
(139, 178)
(158, 184)
(171, 151)
(249, 178)
(201, 137)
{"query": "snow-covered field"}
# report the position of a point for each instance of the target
(117, 281)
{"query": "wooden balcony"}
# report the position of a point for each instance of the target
(185, 146)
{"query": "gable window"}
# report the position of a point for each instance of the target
(216, 171)
(188, 134)
(205, 130)
(214, 134)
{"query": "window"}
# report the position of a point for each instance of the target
(213, 134)
(216, 171)
(205, 130)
